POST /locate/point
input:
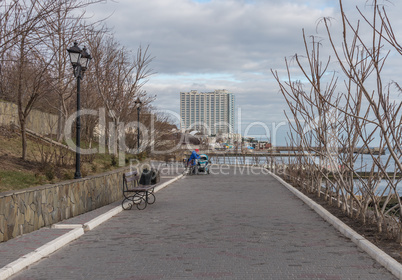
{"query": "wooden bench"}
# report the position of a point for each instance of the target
(135, 193)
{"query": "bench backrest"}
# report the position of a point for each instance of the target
(133, 179)
(130, 179)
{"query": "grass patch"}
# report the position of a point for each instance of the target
(16, 180)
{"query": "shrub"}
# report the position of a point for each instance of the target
(49, 172)
(113, 160)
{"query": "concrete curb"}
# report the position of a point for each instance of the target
(380, 256)
(40, 253)
(102, 218)
(66, 226)
(52, 246)
(164, 185)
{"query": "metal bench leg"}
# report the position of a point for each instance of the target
(151, 198)
(142, 200)
(128, 202)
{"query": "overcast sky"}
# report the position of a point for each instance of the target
(225, 44)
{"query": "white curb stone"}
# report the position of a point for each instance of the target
(39, 253)
(161, 186)
(102, 218)
(66, 226)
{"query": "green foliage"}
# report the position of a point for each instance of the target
(18, 180)
(49, 172)
(94, 168)
(84, 170)
(142, 156)
(68, 176)
(113, 160)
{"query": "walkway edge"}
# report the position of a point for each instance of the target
(161, 186)
(40, 253)
(376, 253)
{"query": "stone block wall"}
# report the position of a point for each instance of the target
(40, 122)
(27, 210)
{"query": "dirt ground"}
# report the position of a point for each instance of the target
(10, 157)
(368, 231)
(10, 152)
(13, 162)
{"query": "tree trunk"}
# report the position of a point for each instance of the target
(23, 138)
(60, 122)
(399, 238)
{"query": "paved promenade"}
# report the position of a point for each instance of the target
(217, 226)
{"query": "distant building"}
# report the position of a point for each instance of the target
(211, 113)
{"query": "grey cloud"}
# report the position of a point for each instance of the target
(210, 37)
(239, 39)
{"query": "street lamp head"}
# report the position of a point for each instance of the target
(75, 54)
(138, 102)
(84, 59)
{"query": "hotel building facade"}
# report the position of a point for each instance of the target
(212, 113)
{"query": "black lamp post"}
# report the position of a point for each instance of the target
(138, 103)
(80, 60)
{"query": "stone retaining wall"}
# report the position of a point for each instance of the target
(40, 122)
(30, 209)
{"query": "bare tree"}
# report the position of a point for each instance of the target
(118, 79)
(387, 114)
(364, 112)
(66, 25)
(24, 59)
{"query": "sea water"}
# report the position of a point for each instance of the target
(363, 163)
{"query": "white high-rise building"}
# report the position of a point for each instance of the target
(212, 113)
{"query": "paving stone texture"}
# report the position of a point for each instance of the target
(234, 224)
